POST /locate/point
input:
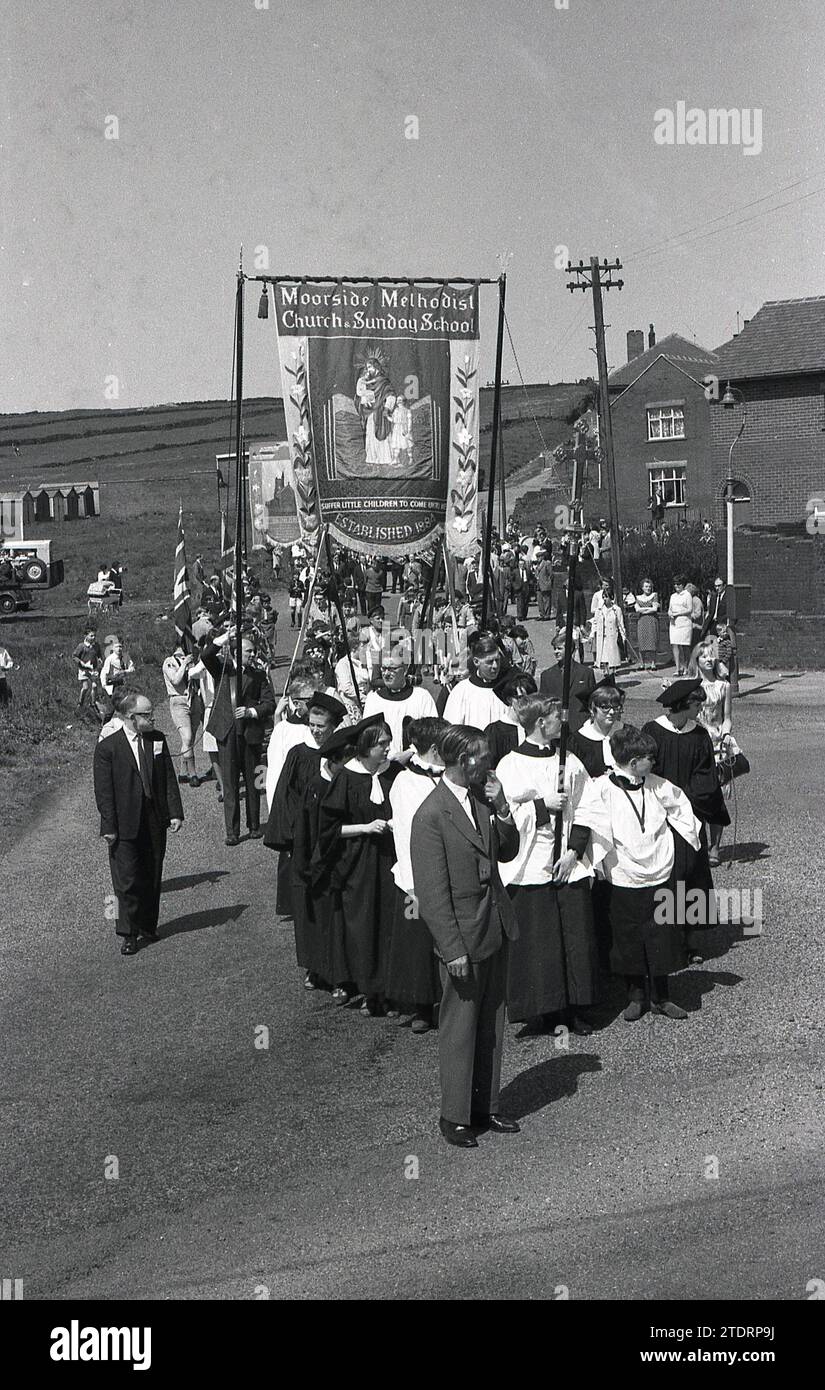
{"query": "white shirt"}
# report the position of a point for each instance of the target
(134, 741)
(113, 663)
(462, 796)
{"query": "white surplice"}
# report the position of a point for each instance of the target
(527, 779)
(624, 852)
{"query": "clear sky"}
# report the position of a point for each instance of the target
(284, 127)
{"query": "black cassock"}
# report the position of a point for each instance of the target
(686, 760)
(318, 924)
(301, 766)
(589, 751)
(360, 877)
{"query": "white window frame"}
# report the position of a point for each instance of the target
(677, 481)
(658, 414)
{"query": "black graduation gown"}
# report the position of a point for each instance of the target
(554, 962)
(590, 752)
(502, 738)
(360, 876)
(687, 761)
(302, 763)
(318, 928)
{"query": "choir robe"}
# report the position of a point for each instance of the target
(591, 748)
(553, 965)
(287, 733)
(472, 702)
(398, 707)
(632, 834)
(318, 923)
(685, 757)
(412, 969)
(360, 875)
(503, 737)
(302, 762)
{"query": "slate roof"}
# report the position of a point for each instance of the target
(693, 359)
(785, 337)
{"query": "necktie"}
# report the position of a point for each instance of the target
(145, 769)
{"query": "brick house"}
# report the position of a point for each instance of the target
(661, 430)
(777, 362)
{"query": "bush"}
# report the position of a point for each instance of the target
(681, 552)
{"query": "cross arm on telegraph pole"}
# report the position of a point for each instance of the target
(597, 276)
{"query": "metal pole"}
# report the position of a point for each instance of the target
(491, 481)
(239, 475)
(729, 486)
(607, 429)
(579, 456)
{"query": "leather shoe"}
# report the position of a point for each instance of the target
(129, 947)
(580, 1026)
(147, 931)
(498, 1124)
(232, 840)
(256, 834)
(461, 1136)
(669, 1009)
(634, 1011)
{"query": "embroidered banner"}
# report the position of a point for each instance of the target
(272, 494)
(380, 387)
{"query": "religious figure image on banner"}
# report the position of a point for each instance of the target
(380, 388)
(378, 432)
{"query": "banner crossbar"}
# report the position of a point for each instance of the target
(371, 280)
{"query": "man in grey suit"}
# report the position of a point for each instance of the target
(459, 835)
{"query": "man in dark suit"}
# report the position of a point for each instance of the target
(459, 835)
(239, 730)
(137, 795)
(716, 606)
(582, 682)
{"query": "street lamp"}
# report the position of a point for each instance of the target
(728, 403)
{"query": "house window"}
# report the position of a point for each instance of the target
(669, 482)
(666, 422)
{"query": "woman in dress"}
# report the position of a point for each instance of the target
(355, 845)
(647, 637)
(631, 819)
(608, 632)
(553, 965)
(697, 615)
(715, 716)
(591, 743)
(680, 614)
(684, 755)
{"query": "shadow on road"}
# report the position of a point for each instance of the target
(746, 851)
(692, 985)
(539, 1086)
(199, 921)
(175, 885)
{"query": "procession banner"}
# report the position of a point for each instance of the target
(380, 387)
(272, 494)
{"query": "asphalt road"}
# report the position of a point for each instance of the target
(267, 1143)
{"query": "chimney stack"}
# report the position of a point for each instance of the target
(651, 336)
(635, 343)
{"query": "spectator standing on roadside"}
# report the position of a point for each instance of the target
(176, 670)
(6, 666)
(87, 655)
(116, 667)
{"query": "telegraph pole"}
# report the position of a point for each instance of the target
(597, 277)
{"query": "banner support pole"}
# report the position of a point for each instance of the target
(239, 474)
(491, 481)
(576, 530)
(310, 594)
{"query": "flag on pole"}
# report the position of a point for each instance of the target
(182, 605)
(226, 565)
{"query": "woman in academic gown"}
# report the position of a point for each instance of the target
(684, 755)
(303, 762)
(473, 701)
(553, 965)
(591, 742)
(355, 844)
(412, 980)
(506, 733)
(319, 931)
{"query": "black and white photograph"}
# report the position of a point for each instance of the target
(412, 667)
